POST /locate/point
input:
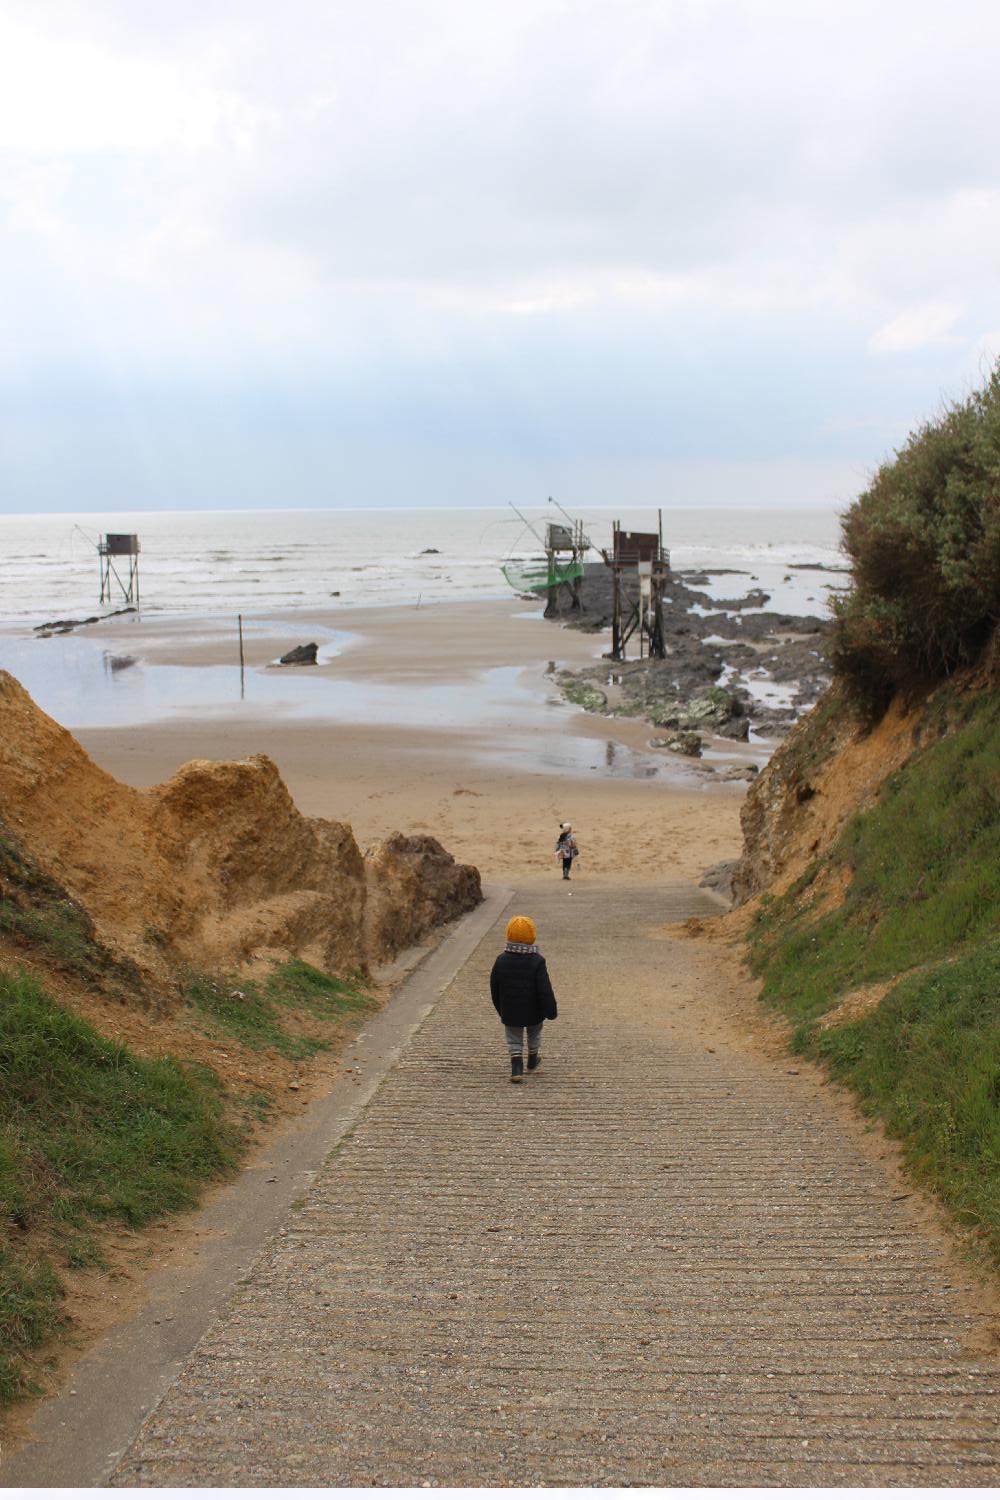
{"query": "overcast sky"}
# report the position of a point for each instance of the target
(388, 252)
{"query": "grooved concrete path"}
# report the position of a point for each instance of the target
(651, 1263)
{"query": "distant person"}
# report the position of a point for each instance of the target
(522, 994)
(567, 848)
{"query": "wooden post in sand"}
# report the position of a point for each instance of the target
(242, 661)
(552, 587)
(616, 612)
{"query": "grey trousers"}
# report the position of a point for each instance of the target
(512, 1036)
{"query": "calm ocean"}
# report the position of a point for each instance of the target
(222, 561)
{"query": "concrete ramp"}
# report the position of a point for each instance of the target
(651, 1263)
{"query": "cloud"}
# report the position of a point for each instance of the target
(631, 212)
(71, 96)
(436, 143)
(916, 328)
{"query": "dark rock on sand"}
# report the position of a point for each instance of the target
(300, 656)
(695, 577)
(63, 627)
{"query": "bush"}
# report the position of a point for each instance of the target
(924, 543)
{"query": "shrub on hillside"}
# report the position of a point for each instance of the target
(924, 543)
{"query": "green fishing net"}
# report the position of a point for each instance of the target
(536, 577)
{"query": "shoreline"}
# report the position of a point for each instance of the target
(439, 720)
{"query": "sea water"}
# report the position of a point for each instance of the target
(299, 564)
(224, 562)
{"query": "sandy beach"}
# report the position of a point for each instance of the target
(437, 720)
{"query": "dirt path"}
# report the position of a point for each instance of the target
(662, 1260)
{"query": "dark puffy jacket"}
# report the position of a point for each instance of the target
(521, 989)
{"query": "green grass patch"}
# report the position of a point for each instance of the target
(31, 1298)
(117, 1135)
(39, 915)
(927, 1061)
(299, 985)
(59, 932)
(273, 1013)
(88, 1132)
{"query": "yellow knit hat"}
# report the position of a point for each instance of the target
(521, 930)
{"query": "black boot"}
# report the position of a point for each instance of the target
(533, 1061)
(516, 1069)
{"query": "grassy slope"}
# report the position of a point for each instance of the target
(924, 897)
(89, 1132)
(258, 1014)
(38, 914)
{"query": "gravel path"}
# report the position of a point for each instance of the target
(661, 1260)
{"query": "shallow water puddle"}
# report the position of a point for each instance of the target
(515, 718)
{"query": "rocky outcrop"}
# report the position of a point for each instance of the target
(719, 878)
(217, 867)
(413, 884)
(683, 742)
(255, 875)
(714, 646)
(716, 709)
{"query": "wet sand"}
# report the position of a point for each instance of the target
(437, 720)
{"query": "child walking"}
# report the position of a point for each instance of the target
(567, 847)
(522, 994)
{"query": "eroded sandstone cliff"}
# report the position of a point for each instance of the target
(216, 868)
(830, 767)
